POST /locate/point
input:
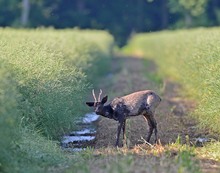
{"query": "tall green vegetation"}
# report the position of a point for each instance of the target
(44, 80)
(192, 57)
(8, 111)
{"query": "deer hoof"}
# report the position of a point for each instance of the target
(157, 141)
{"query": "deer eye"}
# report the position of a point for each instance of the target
(96, 104)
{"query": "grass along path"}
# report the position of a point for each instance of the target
(177, 131)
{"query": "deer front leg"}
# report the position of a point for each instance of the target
(124, 132)
(118, 133)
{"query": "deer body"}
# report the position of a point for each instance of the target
(138, 103)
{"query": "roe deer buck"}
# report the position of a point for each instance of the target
(120, 108)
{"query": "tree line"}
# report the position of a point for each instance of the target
(121, 18)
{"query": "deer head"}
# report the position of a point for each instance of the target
(98, 105)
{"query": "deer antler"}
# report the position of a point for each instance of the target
(93, 93)
(100, 93)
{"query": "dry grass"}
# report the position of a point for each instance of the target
(141, 158)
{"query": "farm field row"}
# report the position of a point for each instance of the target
(191, 58)
(45, 76)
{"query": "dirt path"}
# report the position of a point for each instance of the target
(129, 74)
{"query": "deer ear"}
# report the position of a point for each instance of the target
(90, 104)
(104, 99)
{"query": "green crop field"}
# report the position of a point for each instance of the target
(45, 76)
(192, 58)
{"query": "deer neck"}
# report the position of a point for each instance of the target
(107, 112)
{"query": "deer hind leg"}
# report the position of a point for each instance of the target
(152, 126)
(155, 130)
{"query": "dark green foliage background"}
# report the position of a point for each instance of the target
(122, 17)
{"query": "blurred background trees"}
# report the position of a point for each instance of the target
(121, 18)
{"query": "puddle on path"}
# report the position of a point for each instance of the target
(84, 136)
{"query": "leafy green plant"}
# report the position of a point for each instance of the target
(8, 116)
(186, 162)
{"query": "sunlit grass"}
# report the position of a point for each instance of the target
(210, 151)
(156, 158)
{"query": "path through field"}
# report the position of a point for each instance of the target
(129, 74)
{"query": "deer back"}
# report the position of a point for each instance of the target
(136, 103)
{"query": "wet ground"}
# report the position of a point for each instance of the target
(85, 134)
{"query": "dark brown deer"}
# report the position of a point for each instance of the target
(120, 108)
